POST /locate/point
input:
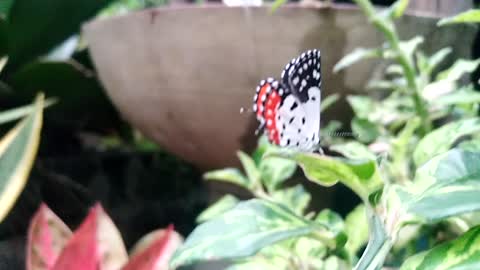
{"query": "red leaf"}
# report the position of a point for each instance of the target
(47, 235)
(95, 245)
(80, 252)
(157, 254)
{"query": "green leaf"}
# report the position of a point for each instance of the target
(244, 230)
(362, 105)
(224, 204)
(464, 95)
(441, 139)
(470, 16)
(470, 145)
(459, 254)
(309, 250)
(75, 87)
(446, 185)
(460, 67)
(359, 176)
(5, 6)
(3, 37)
(262, 146)
(296, 198)
(394, 69)
(256, 264)
(36, 26)
(356, 227)
(19, 112)
(401, 142)
(437, 58)
(18, 149)
(250, 168)
(276, 5)
(365, 130)
(353, 150)
(331, 220)
(274, 171)
(231, 175)
(355, 56)
(397, 9)
(378, 247)
(411, 45)
(328, 101)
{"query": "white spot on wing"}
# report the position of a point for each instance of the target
(296, 80)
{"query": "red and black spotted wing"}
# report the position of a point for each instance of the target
(289, 111)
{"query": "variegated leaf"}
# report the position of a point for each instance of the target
(154, 250)
(224, 204)
(246, 229)
(47, 236)
(18, 149)
(95, 245)
(460, 254)
(361, 176)
(445, 186)
(441, 139)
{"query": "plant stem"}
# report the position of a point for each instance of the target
(378, 247)
(388, 29)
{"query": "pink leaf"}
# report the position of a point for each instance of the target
(95, 245)
(47, 235)
(154, 250)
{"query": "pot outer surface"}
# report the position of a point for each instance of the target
(181, 74)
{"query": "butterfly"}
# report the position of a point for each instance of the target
(289, 110)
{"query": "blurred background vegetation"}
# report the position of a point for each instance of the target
(87, 152)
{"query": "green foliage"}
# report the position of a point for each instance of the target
(18, 149)
(461, 253)
(359, 175)
(441, 139)
(470, 16)
(447, 185)
(28, 20)
(414, 162)
(356, 56)
(356, 228)
(224, 204)
(247, 228)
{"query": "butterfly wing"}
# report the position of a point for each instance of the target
(302, 73)
(297, 124)
(289, 110)
(302, 76)
(285, 119)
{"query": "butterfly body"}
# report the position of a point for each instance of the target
(289, 110)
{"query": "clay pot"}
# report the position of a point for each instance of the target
(181, 74)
